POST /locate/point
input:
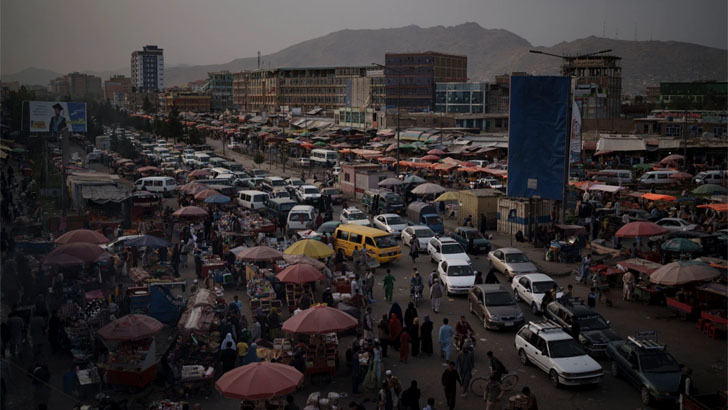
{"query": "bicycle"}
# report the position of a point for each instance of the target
(507, 382)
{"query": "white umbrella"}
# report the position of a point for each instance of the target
(681, 272)
(428, 188)
(390, 182)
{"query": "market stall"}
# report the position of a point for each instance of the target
(567, 248)
(259, 385)
(297, 279)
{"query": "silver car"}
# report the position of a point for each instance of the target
(423, 232)
(510, 262)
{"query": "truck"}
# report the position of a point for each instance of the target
(420, 213)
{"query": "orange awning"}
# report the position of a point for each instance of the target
(659, 197)
(716, 207)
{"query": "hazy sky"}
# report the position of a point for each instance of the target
(100, 35)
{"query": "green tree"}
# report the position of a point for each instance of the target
(258, 158)
(12, 107)
(174, 128)
(195, 137)
(147, 105)
(283, 157)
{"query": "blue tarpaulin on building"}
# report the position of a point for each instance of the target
(537, 137)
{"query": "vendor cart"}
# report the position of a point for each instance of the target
(132, 364)
(157, 300)
(568, 248)
(322, 356)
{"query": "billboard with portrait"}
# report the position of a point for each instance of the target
(53, 116)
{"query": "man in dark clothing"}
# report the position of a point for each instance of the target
(355, 372)
(468, 221)
(575, 328)
(411, 398)
(175, 260)
(496, 366)
(198, 264)
(450, 380)
(228, 356)
(482, 224)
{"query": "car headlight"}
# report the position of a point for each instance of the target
(494, 318)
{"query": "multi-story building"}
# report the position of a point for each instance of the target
(220, 88)
(468, 98)
(197, 86)
(411, 77)
(116, 89)
(709, 95)
(135, 101)
(598, 84)
(377, 89)
(147, 69)
(256, 91)
(186, 101)
(76, 85)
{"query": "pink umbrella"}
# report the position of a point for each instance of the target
(299, 273)
(640, 229)
(430, 158)
(202, 195)
(259, 381)
(190, 211)
(130, 327)
(259, 254)
(86, 252)
(319, 319)
(82, 235)
(387, 159)
(436, 152)
(202, 172)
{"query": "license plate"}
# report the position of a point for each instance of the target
(509, 323)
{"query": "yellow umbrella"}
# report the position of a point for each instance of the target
(448, 196)
(311, 248)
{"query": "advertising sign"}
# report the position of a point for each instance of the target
(52, 116)
(537, 136)
(575, 148)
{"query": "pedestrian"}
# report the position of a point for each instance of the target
(388, 280)
(383, 333)
(585, 264)
(430, 404)
(409, 315)
(175, 260)
(257, 330)
(414, 332)
(591, 299)
(414, 249)
(368, 324)
(252, 355)
(493, 393)
(465, 364)
(395, 331)
(468, 221)
(450, 379)
(597, 283)
(37, 329)
(411, 397)
(16, 328)
(628, 281)
(479, 278)
(395, 386)
(228, 356)
(686, 385)
(242, 349)
(290, 404)
(377, 361)
(569, 292)
(198, 263)
(436, 296)
(445, 338)
(274, 323)
(41, 378)
(355, 372)
(369, 285)
(575, 328)
(531, 403)
(384, 398)
(426, 336)
(404, 346)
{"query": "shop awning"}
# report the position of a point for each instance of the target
(605, 188)
(102, 194)
(716, 207)
(620, 144)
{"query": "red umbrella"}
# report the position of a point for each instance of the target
(86, 252)
(259, 254)
(299, 273)
(430, 158)
(193, 188)
(130, 327)
(259, 381)
(149, 168)
(191, 211)
(82, 235)
(202, 195)
(436, 152)
(672, 158)
(639, 229)
(681, 176)
(62, 260)
(319, 319)
(387, 159)
(202, 172)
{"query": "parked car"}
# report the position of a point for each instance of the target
(531, 288)
(594, 330)
(294, 182)
(259, 172)
(304, 162)
(445, 248)
(391, 223)
(554, 351)
(676, 224)
(308, 194)
(422, 232)
(336, 196)
(646, 365)
(510, 262)
(353, 215)
(457, 276)
(494, 306)
(711, 177)
(463, 235)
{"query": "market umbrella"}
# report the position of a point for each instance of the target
(259, 381)
(681, 176)
(681, 272)
(149, 168)
(643, 166)
(217, 199)
(82, 235)
(430, 158)
(448, 196)
(659, 197)
(62, 260)
(319, 319)
(390, 182)
(294, 259)
(436, 152)
(640, 229)
(414, 179)
(299, 273)
(202, 195)
(681, 245)
(149, 241)
(428, 188)
(86, 252)
(259, 254)
(387, 159)
(672, 158)
(192, 188)
(130, 327)
(311, 248)
(709, 189)
(191, 211)
(202, 172)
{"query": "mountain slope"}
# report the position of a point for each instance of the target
(32, 75)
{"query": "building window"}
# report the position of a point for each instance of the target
(347, 177)
(672, 131)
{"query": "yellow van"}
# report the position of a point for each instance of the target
(380, 245)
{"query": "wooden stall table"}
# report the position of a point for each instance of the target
(648, 294)
(209, 265)
(642, 266)
(714, 323)
(683, 309)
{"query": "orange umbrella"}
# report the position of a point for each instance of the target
(131, 327)
(319, 319)
(259, 381)
(681, 176)
(299, 273)
(82, 235)
(436, 152)
(716, 207)
(430, 158)
(659, 197)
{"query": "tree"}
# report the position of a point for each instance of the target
(174, 125)
(283, 157)
(147, 105)
(258, 158)
(13, 106)
(195, 137)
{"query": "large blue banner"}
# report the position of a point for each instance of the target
(537, 136)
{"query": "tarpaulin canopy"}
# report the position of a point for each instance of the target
(605, 188)
(659, 197)
(716, 207)
(102, 194)
(299, 273)
(621, 144)
(259, 381)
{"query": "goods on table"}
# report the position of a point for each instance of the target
(321, 354)
(260, 288)
(317, 401)
(168, 405)
(294, 291)
(196, 372)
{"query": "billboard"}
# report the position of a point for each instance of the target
(537, 136)
(52, 116)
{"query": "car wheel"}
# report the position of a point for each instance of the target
(645, 396)
(554, 378)
(523, 356)
(534, 308)
(615, 369)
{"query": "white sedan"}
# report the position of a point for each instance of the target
(445, 248)
(391, 223)
(353, 215)
(423, 233)
(510, 262)
(676, 224)
(457, 276)
(531, 288)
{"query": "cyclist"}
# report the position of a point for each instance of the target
(463, 331)
(416, 284)
(496, 366)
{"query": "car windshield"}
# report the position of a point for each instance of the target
(332, 191)
(357, 216)
(296, 182)
(592, 322)
(287, 207)
(460, 270)
(565, 348)
(394, 220)
(387, 241)
(542, 287)
(328, 228)
(424, 233)
(311, 190)
(516, 258)
(299, 216)
(393, 199)
(433, 220)
(659, 362)
(450, 248)
(499, 299)
(472, 234)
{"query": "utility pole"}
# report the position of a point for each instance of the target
(65, 149)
